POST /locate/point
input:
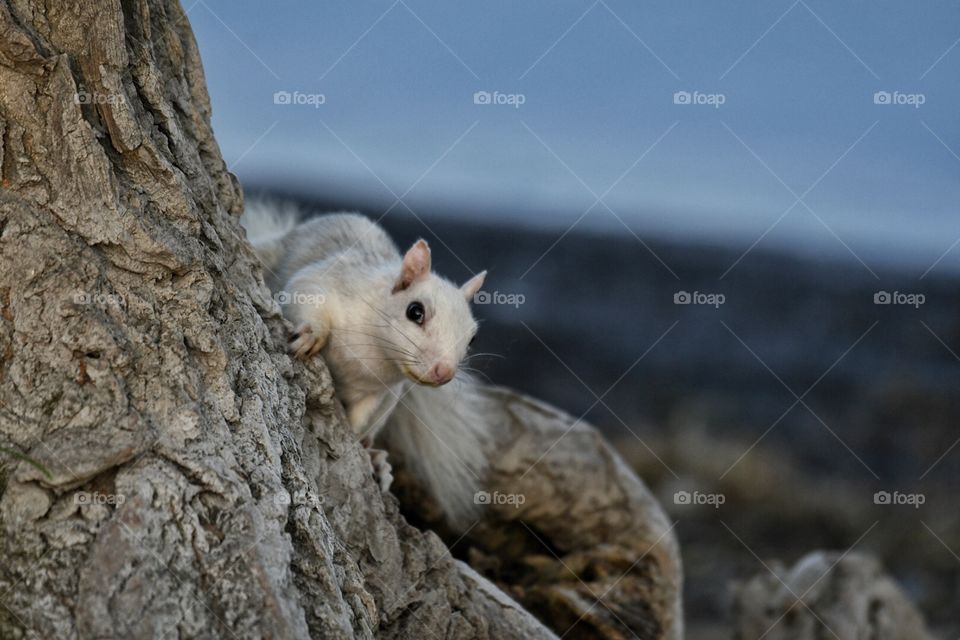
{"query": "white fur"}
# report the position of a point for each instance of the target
(266, 224)
(439, 432)
(346, 288)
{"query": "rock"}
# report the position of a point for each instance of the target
(826, 595)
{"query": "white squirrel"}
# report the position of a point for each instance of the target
(392, 333)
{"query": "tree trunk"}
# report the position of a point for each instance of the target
(191, 480)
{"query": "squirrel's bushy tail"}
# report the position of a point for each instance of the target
(442, 436)
(267, 222)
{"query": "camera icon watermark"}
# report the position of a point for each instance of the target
(314, 100)
(515, 100)
(715, 100)
(915, 100)
(496, 297)
(698, 498)
(515, 500)
(700, 298)
(914, 300)
(897, 498)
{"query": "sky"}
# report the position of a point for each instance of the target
(806, 124)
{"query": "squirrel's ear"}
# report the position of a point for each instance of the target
(471, 286)
(416, 265)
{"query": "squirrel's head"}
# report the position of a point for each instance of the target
(432, 317)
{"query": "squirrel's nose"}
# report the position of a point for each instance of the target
(441, 373)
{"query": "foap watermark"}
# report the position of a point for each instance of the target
(98, 299)
(497, 498)
(698, 498)
(515, 100)
(699, 297)
(299, 98)
(86, 97)
(898, 98)
(897, 498)
(300, 298)
(697, 98)
(284, 499)
(497, 297)
(83, 498)
(899, 297)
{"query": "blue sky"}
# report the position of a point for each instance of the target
(798, 154)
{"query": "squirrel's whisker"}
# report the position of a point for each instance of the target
(382, 339)
(375, 346)
(487, 355)
(478, 373)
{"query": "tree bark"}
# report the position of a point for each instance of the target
(193, 480)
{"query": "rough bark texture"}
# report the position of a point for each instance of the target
(202, 484)
(826, 595)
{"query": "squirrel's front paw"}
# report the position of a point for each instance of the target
(382, 470)
(306, 342)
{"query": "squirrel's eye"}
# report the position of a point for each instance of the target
(415, 312)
